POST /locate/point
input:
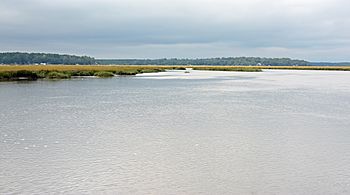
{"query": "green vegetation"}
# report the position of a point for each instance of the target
(154, 70)
(57, 75)
(229, 61)
(179, 68)
(104, 74)
(43, 58)
(18, 75)
(20, 58)
(130, 72)
(11, 73)
(82, 73)
(52, 59)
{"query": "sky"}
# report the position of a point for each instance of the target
(315, 30)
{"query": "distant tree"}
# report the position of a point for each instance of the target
(37, 58)
(228, 61)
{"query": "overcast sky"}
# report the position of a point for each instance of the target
(317, 30)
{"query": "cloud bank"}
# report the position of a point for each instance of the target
(313, 30)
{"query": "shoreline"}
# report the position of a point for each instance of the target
(56, 72)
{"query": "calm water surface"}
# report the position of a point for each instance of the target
(273, 132)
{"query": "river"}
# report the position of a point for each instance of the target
(203, 132)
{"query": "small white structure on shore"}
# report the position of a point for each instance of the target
(188, 70)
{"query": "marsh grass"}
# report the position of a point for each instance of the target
(33, 72)
(81, 73)
(104, 74)
(68, 71)
(57, 75)
(82, 69)
(18, 75)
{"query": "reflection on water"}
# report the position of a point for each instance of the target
(271, 132)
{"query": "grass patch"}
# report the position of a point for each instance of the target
(151, 70)
(18, 75)
(127, 72)
(58, 75)
(104, 74)
(67, 71)
(81, 73)
(33, 72)
(78, 69)
(178, 68)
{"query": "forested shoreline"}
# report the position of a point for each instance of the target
(43, 58)
(224, 61)
(20, 58)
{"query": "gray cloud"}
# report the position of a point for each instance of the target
(313, 29)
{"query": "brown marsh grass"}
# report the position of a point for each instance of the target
(146, 68)
(5, 68)
(33, 72)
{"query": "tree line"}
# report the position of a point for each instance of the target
(46, 58)
(228, 61)
(43, 58)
